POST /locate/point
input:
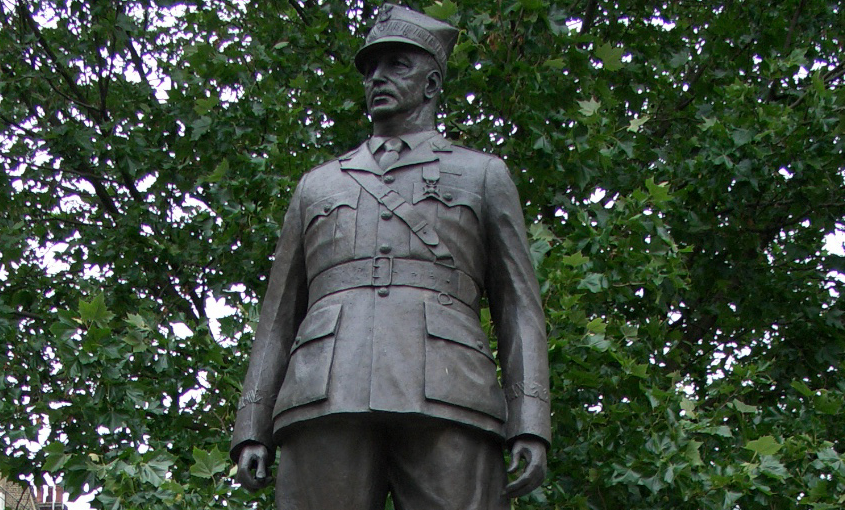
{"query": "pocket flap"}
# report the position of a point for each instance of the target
(448, 324)
(325, 206)
(318, 324)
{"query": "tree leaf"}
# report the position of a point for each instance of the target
(575, 260)
(801, 388)
(773, 468)
(765, 445)
(596, 325)
(636, 124)
(442, 9)
(555, 63)
(589, 108)
(532, 5)
(743, 408)
(611, 57)
(208, 463)
(658, 192)
(219, 171)
(95, 311)
(56, 457)
(594, 282)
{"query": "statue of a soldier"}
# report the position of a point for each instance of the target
(370, 370)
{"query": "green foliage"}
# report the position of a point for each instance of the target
(681, 164)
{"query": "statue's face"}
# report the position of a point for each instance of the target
(395, 79)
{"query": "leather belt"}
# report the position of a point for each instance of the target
(384, 271)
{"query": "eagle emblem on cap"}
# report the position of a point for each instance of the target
(384, 13)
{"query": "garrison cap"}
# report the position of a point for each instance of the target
(397, 24)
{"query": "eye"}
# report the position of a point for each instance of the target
(369, 69)
(400, 63)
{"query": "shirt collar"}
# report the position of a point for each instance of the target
(412, 140)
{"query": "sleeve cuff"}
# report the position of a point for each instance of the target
(254, 424)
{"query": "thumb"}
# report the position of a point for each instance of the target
(514, 462)
(261, 470)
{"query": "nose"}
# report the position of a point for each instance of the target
(376, 73)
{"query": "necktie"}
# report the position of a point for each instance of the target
(390, 152)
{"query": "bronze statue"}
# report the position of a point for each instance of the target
(370, 370)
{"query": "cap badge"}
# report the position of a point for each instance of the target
(384, 13)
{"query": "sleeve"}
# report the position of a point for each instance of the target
(283, 309)
(516, 309)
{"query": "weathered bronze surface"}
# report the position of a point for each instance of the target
(370, 369)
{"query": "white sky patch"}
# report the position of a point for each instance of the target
(597, 196)
(181, 330)
(835, 243)
(216, 309)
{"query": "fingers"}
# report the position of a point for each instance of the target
(530, 479)
(253, 457)
(534, 455)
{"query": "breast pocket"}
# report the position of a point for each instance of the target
(330, 223)
(459, 367)
(309, 367)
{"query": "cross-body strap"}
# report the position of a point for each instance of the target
(405, 212)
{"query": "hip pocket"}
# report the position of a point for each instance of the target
(309, 368)
(459, 367)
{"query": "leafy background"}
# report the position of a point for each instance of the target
(681, 165)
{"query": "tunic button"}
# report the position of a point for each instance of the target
(389, 179)
(297, 341)
(480, 345)
(327, 207)
(447, 196)
(383, 292)
(385, 249)
(386, 215)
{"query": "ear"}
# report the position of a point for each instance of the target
(433, 84)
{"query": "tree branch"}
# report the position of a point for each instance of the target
(589, 16)
(139, 65)
(9, 122)
(28, 315)
(792, 25)
(71, 99)
(786, 43)
(299, 12)
(26, 16)
(835, 73)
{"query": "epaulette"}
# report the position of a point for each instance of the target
(349, 154)
(441, 146)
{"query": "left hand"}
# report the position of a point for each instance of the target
(533, 452)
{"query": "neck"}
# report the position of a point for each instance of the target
(397, 125)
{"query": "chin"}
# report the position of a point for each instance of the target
(382, 112)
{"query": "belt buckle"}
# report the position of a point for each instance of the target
(382, 280)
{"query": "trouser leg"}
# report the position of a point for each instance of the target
(439, 465)
(332, 464)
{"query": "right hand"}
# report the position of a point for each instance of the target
(253, 457)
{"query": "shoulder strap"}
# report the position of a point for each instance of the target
(405, 212)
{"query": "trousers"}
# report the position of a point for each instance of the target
(352, 462)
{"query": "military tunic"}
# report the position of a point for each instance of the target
(363, 315)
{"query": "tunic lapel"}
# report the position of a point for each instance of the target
(426, 152)
(360, 159)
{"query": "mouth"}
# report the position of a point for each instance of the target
(380, 97)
